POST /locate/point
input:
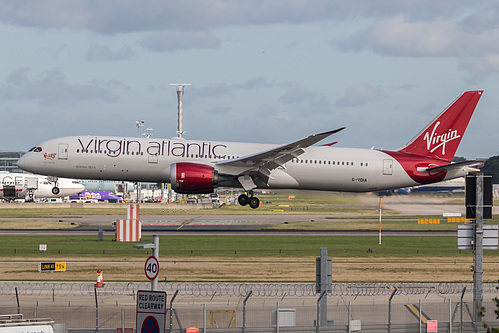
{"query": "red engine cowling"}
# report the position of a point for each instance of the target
(193, 178)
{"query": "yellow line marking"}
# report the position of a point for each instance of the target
(186, 222)
(416, 312)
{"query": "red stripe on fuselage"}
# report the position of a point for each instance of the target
(410, 163)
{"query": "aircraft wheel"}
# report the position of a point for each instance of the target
(254, 202)
(55, 190)
(243, 199)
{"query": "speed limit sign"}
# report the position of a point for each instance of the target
(151, 267)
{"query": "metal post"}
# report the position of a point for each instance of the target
(450, 315)
(379, 220)
(420, 314)
(17, 298)
(155, 253)
(96, 311)
(461, 306)
(390, 310)
(349, 315)
(171, 311)
(204, 318)
(318, 322)
(244, 309)
(277, 318)
(122, 319)
(324, 285)
(478, 247)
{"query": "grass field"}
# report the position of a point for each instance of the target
(247, 258)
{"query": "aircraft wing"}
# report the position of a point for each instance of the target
(260, 165)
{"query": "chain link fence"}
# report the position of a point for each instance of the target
(294, 317)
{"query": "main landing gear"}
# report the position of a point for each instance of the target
(250, 200)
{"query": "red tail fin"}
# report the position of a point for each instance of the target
(441, 138)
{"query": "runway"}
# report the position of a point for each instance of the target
(256, 224)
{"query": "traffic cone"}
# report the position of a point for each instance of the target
(100, 279)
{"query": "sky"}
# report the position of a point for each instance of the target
(261, 71)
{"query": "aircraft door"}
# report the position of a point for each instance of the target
(387, 167)
(63, 151)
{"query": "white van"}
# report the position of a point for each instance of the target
(16, 324)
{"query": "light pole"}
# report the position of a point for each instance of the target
(180, 94)
(139, 124)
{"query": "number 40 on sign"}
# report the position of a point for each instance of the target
(151, 268)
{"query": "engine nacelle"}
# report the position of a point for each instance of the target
(193, 178)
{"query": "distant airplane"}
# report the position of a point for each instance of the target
(96, 195)
(447, 186)
(106, 185)
(16, 186)
(196, 167)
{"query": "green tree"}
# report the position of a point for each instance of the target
(491, 167)
(459, 159)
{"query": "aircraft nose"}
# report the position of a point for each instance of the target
(21, 162)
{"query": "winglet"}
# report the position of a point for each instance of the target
(329, 144)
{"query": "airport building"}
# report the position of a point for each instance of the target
(8, 160)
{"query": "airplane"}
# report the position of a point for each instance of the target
(106, 185)
(447, 186)
(197, 167)
(26, 186)
(96, 195)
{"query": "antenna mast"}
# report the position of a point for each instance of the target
(180, 94)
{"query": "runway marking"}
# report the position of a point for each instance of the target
(186, 222)
(414, 309)
(199, 222)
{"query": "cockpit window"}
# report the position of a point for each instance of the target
(36, 149)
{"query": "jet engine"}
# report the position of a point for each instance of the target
(193, 178)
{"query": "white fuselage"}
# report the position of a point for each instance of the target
(41, 186)
(149, 160)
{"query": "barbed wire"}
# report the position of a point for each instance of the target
(198, 289)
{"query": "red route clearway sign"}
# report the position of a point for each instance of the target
(151, 309)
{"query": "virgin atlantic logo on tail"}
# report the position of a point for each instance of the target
(436, 140)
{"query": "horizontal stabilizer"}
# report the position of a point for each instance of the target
(451, 166)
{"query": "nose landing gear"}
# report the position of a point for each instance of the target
(250, 200)
(55, 189)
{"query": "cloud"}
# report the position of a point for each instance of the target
(180, 40)
(297, 95)
(481, 65)
(440, 38)
(220, 89)
(50, 89)
(118, 16)
(358, 95)
(104, 53)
